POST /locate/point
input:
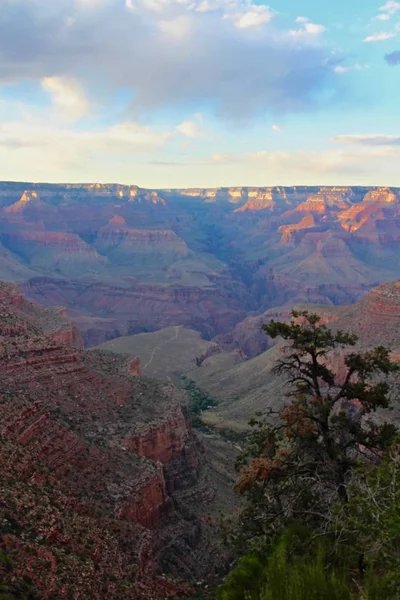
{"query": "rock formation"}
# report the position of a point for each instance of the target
(376, 318)
(105, 452)
(123, 259)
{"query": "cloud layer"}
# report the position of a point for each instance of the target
(231, 54)
(368, 140)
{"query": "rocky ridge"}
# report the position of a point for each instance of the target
(113, 457)
(126, 260)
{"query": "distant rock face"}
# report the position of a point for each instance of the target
(258, 200)
(138, 308)
(139, 240)
(86, 433)
(376, 318)
(288, 231)
(251, 339)
(203, 258)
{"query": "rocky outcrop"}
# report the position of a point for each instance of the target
(377, 206)
(136, 259)
(28, 199)
(150, 506)
(258, 200)
(140, 240)
(138, 195)
(139, 308)
(135, 367)
(376, 318)
(250, 338)
(288, 231)
(116, 446)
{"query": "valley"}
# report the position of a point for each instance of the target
(116, 303)
(125, 260)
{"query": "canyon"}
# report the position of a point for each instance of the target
(100, 468)
(241, 376)
(124, 260)
(106, 490)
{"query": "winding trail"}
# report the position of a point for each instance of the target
(177, 327)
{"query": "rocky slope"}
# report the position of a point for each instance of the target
(250, 339)
(99, 469)
(126, 260)
(241, 377)
(376, 318)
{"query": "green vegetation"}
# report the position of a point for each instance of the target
(199, 401)
(325, 465)
(295, 569)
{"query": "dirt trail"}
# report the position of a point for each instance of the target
(174, 337)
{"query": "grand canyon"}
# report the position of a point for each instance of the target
(124, 260)
(199, 300)
(110, 295)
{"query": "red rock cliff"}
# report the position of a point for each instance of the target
(115, 445)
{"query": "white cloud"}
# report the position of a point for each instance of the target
(126, 137)
(68, 98)
(135, 137)
(307, 30)
(276, 128)
(343, 167)
(391, 7)
(340, 69)
(367, 140)
(257, 16)
(131, 153)
(379, 37)
(34, 149)
(190, 129)
(204, 54)
(302, 20)
(179, 27)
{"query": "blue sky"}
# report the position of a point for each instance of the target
(179, 93)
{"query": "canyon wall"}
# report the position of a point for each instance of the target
(88, 433)
(125, 260)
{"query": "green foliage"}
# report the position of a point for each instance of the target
(296, 465)
(368, 525)
(322, 462)
(245, 581)
(297, 568)
(199, 401)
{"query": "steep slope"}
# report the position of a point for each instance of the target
(139, 248)
(251, 340)
(11, 268)
(113, 459)
(376, 318)
(135, 308)
(244, 386)
(63, 254)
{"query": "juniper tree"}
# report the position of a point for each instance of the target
(296, 468)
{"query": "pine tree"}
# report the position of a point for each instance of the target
(297, 468)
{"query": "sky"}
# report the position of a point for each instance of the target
(200, 93)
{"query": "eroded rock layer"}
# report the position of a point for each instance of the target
(95, 460)
(126, 260)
